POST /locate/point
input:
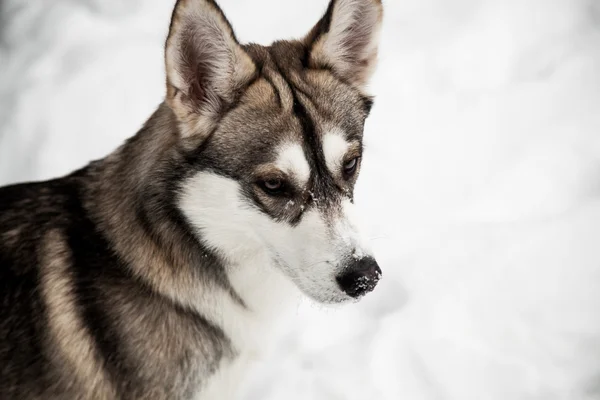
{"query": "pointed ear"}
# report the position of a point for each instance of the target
(346, 40)
(205, 65)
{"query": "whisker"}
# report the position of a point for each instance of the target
(379, 237)
(318, 262)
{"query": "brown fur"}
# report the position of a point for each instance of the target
(100, 272)
(70, 341)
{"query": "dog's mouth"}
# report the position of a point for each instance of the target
(355, 282)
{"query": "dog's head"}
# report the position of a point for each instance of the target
(275, 137)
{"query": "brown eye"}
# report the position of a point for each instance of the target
(272, 186)
(350, 167)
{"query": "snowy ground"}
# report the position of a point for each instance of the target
(481, 183)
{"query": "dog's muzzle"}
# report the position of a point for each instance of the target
(360, 278)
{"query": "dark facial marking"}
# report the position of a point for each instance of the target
(250, 133)
(321, 180)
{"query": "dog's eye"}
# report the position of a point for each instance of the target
(350, 167)
(272, 186)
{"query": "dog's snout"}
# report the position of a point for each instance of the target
(360, 277)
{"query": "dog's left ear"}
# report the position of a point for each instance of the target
(205, 65)
(346, 40)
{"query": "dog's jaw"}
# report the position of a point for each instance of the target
(263, 255)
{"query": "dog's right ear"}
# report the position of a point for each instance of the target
(205, 65)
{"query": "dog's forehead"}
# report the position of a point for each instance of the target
(280, 141)
(296, 119)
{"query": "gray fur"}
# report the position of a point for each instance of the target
(97, 268)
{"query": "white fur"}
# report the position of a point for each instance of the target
(266, 261)
(226, 381)
(249, 239)
(348, 229)
(335, 147)
(213, 205)
(291, 159)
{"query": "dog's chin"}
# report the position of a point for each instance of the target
(321, 292)
(326, 296)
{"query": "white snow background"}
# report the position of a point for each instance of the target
(481, 183)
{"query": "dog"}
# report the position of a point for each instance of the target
(159, 271)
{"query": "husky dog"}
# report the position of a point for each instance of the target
(157, 272)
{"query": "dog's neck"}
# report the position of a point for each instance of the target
(150, 234)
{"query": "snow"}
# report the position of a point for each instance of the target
(480, 185)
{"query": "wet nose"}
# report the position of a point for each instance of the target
(360, 277)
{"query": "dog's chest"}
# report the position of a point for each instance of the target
(225, 384)
(269, 300)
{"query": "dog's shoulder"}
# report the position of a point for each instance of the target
(33, 218)
(74, 319)
(28, 211)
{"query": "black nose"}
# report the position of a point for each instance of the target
(360, 278)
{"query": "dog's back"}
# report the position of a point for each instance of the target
(28, 215)
(74, 322)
